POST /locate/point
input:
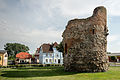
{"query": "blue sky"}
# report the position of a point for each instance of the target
(34, 22)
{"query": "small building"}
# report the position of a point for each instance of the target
(114, 57)
(23, 57)
(37, 56)
(3, 57)
(48, 54)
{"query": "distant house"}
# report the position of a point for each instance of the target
(33, 60)
(48, 54)
(3, 57)
(114, 57)
(37, 55)
(23, 57)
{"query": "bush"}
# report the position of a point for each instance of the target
(29, 65)
(0, 66)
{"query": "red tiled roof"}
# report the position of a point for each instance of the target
(23, 55)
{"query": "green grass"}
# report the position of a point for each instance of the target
(56, 73)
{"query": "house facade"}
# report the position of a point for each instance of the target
(3, 58)
(114, 57)
(48, 54)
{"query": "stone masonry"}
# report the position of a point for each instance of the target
(85, 43)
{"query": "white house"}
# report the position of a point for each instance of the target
(48, 54)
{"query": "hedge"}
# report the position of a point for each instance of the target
(29, 65)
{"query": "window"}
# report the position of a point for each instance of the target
(57, 55)
(50, 54)
(22, 61)
(6, 55)
(46, 54)
(55, 60)
(50, 60)
(46, 60)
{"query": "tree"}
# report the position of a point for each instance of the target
(60, 47)
(14, 48)
(108, 52)
(113, 58)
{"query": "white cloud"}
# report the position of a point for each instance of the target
(32, 37)
(113, 43)
(45, 35)
(78, 7)
(85, 7)
(3, 5)
(113, 7)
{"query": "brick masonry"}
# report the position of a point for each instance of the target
(85, 43)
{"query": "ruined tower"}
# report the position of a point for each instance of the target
(85, 43)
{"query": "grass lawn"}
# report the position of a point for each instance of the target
(56, 73)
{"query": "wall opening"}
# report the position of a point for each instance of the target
(65, 48)
(93, 31)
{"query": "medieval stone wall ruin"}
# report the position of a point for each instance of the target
(85, 43)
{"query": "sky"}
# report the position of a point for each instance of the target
(34, 22)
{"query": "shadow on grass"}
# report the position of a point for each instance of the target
(46, 67)
(36, 72)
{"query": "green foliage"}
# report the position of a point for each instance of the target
(60, 47)
(14, 48)
(108, 52)
(30, 65)
(113, 58)
(12, 57)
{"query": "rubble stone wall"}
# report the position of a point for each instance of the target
(85, 43)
